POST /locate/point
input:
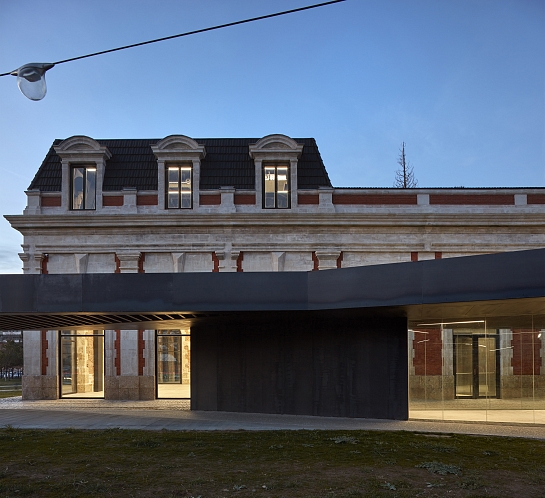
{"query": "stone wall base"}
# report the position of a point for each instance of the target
(431, 388)
(129, 387)
(523, 386)
(40, 387)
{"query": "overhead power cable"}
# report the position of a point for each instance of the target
(203, 30)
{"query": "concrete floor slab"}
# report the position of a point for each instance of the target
(175, 415)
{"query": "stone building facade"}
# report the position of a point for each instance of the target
(244, 205)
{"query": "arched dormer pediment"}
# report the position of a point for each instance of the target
(178, 147)
(276, 142)
(82, 148)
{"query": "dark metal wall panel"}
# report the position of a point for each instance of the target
(204, 371)
(58, 292)
(305, 366)
(129, 293)
(507, 275)
(257, 291)
(366, 286)
(17, 294)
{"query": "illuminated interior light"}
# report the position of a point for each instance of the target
(449, 323)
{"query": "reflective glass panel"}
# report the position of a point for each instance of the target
(282, 187)
(478, 369)
(486, 361)
(90, 188)
(173, 187)
(464, 366)
(185, 187)
(270, 175)
(77, 187)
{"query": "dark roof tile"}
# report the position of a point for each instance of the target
(227, 163)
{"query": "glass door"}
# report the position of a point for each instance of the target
(476, 366)
(464, 366)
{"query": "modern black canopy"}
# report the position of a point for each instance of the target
(504, 284)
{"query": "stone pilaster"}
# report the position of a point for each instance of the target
(327, 260)
(128, 261)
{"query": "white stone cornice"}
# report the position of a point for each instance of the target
(388, 218)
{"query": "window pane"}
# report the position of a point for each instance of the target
(186, 201)
(270, 187)
(186, 179)
(173, 187)
(185, 186)
(282, 179)
(282, 187)
(90, 188)
(282, 200)
(77, 188)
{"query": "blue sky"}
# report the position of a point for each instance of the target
(461, 82)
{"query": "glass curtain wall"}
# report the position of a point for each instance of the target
(482, 369)
(173, 364)
(82, 363)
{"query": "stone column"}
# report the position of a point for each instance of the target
(147, 377)
(130, 365)
(293, 182)
(259, 183)
(161, 184)
(40, 380)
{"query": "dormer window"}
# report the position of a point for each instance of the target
(83, 186)
(178, 169)
(275, 159)
(179, 186)
(276, 186)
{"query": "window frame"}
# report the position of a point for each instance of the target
(276, 165)
(71, 334)
(86, 167)
(179, 166)
(170, 333)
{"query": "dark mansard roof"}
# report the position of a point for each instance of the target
(227, 164)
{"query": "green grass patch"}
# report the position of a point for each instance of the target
(115, 462)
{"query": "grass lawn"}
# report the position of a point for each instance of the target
(9, 388)
(126, 463)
